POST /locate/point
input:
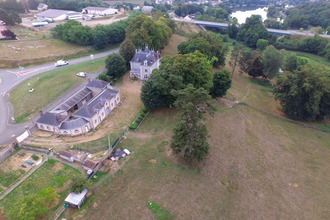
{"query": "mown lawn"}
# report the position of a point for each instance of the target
(51, 85)
(51, 174)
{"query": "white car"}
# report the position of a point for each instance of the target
(82, 74)
(61, 63)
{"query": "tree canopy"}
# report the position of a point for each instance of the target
(78, 184)
(176, 73)
(186, 9)
(252, 30)
(209, 44)
(304, 94)
(143, 31)
(115, 65)
(221, 83)
(9, 17)
(127, 51)
(272, 61)
(190, 134)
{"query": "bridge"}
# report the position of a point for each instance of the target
(272, 31)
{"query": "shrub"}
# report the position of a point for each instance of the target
(35, 157)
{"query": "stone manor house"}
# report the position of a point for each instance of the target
(83, 111)
(143, 63)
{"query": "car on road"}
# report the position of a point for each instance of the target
(82, 74)
(61, 63)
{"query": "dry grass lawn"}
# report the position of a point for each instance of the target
(16, 53)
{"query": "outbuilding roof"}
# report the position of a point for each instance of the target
(66, 153)
(53, 13)
(76, 198)
(50, 118)
(73, 124)
(90, 164)
(85, 111)
(95, 8)
(97, 83)
(73, 100)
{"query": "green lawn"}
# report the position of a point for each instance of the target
(51, 174)
(51, 85)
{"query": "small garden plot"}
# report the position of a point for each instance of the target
(16, 165)
(50, 182)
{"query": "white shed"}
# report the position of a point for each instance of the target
(76, 199)
(99, 11)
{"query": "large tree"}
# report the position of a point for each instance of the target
(9, 17)
(127, 51)
(221, 83)
(252, 30)
(176, 73)
(251, 63)
(78, 184)
(209, 44)
(115, 65)
(190, 133)
(143, 30)
(304, 94)
(272, 61)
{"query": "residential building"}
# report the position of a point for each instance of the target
(99, 11)
(83, 111)
(143, 63)
(90, 164)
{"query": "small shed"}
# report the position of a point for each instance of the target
(90, 164)
(67, 155)
(42, 7)
(76, 199)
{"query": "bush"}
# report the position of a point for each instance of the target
(35, 157)
(142, 113)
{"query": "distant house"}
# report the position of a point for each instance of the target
(83, 111)
(143, 63)
(90, 164)
(2, 28)
(42, 7)
(99, 11)
(53, 15)
(147, 9)
(67, 155)
(76, 199)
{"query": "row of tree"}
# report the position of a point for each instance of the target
(9, 12)
(74, 5)
(99, 37)
(215, 14)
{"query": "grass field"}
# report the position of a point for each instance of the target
(51, 174)
(50, 86)
(259, 166)
(16, 53)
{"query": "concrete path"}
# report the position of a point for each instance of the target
(10, 78)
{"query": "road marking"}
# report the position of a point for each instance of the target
(0, 80)
(13, 72)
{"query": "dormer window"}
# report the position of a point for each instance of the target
(145, 62)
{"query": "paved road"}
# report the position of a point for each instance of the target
(9, 79)
(225, 25)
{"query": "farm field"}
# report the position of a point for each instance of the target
(51, 174)
(19, 53)
(51, 85)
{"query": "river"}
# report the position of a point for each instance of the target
(243, 14)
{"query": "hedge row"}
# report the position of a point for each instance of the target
(142, 113)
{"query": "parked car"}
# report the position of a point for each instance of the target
(82, 74)
(61, 63)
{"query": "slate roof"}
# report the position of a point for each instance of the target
(73, 124)
(69, 103)
(147, 55)
(97, 83)
(66, 153)
(90, 164)
(147, 8)
(85, 111)
(51, 119)
(52, 13)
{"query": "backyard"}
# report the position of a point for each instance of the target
(47, 87)
(51, 174)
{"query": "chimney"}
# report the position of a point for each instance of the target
(41, 113)
(89, 79)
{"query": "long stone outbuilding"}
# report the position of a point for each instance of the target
(83, 111)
